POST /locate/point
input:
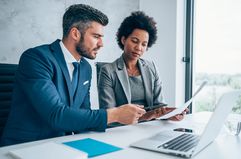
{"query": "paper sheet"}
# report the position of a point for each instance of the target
(179, 110)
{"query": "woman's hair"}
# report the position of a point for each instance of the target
(137, 20)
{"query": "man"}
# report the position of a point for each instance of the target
(51, 93)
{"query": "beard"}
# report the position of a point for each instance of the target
(81, 49)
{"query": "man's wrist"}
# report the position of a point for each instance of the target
(112, 116)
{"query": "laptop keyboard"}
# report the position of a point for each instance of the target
(184, 142)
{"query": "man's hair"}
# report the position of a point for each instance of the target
(137, 20)
(80, 16)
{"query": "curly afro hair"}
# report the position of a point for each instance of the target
(137, 20)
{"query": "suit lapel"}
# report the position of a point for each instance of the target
(83, 72)
(123, 78)
(58, 54)
(146, 76)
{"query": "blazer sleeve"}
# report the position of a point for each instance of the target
(157, 92)
(105, 88)
(35, 77)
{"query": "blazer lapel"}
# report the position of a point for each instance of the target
(123, 78)
(146, 76)
(58, 54)
(82, 78)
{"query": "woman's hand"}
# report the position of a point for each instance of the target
(148, 116)
(177, 117)
(156, 113)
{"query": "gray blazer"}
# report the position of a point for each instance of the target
(114, 88)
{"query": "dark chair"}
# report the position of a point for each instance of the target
(98, 67)
(7, 78)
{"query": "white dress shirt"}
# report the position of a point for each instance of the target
(69, 59)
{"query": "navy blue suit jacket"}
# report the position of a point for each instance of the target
(43, 105)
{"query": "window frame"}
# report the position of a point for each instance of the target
(188, 58)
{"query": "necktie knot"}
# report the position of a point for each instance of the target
(76, 65)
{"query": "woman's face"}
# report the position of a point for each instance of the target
(135, 44)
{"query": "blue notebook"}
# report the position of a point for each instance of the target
(92, 147)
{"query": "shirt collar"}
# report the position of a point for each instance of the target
(69, 58)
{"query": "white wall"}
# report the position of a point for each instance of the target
(169, 48)
(27, 23)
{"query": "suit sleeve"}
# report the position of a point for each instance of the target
(35, 77)
(105, 89)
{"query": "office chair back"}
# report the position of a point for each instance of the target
(7, 78)
(98, 67)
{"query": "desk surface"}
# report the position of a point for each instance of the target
(225, 146)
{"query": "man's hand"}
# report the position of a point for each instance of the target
(125, 114)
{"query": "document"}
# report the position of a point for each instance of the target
(92, 147)
(48, 150)
(179, 110)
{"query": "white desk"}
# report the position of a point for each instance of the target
(224, 147)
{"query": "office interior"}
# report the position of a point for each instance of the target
(25, 24)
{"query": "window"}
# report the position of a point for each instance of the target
(217, 51)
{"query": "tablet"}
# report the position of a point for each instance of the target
(149, 108)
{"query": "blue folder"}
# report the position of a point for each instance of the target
(92, 147)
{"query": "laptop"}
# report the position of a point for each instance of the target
(188, 144)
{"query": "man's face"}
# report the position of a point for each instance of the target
(91, 41)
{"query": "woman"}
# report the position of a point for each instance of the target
(131, 79)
